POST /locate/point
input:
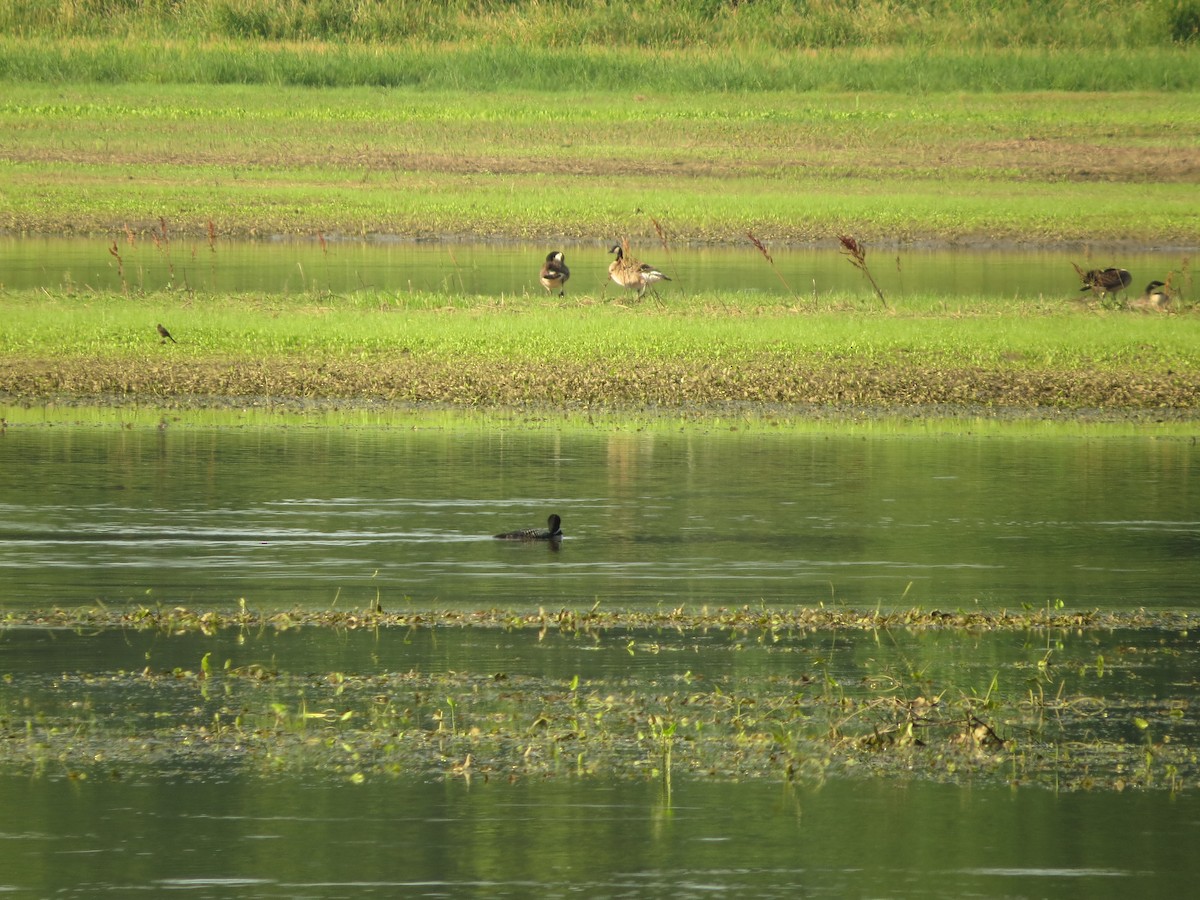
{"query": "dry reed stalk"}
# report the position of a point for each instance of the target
(857, 254)
(662, 237)
(120, 266)
(771, 262)
(163, 244)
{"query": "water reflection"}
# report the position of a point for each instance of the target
(341, 267)
(264, 838)
(318, 518)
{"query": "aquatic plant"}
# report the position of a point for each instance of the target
(826, 712)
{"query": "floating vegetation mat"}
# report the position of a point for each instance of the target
(1063, 700)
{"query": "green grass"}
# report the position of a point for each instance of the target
(700, 326)
(704, 351)
(999, 167)
(90, 200)
(657, 24)
(489, 67)
(1045, 124)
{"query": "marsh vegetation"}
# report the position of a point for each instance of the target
(813, 695)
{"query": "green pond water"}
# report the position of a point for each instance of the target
(275, 761)
(249, 837)
(318, 518)
(285, 266)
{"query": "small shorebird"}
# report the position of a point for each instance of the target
(631, 273)
(555, 273)
(165, 335)
(553, 532)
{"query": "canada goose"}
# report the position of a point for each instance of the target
(1155, 297)
(1106, 281)
(632, 274)
(555, 273)
(165, 335)
(553, 532)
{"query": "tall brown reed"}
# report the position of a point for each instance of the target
(162, 243)
(771, 262)
(116, 253)
(856, 252)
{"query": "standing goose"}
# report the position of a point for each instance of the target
(632, 274)
(1106, 281)
(553, 532)
(555, 273)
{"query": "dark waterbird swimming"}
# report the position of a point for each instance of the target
(553, 532)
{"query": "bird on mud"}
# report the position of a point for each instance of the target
(555, 273)
(1105, 281)
(165, 335)
(631, 273)
(1156, 297)
(552, 532)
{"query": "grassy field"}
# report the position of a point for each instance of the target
(703, 352)
(792, 167)
(779, 24)
(948, 123)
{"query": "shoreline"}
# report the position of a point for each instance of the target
(768, 418)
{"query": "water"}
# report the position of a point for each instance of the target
(318, 518)
(117, 783)
(251, 838)
(508, 269)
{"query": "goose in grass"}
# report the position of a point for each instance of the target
(1106, 281)
(555, 273)
(631, 273)
(1155, 297)
(552, 532)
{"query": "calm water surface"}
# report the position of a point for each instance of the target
(340, 267)
(249, 838)
(284, 518)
